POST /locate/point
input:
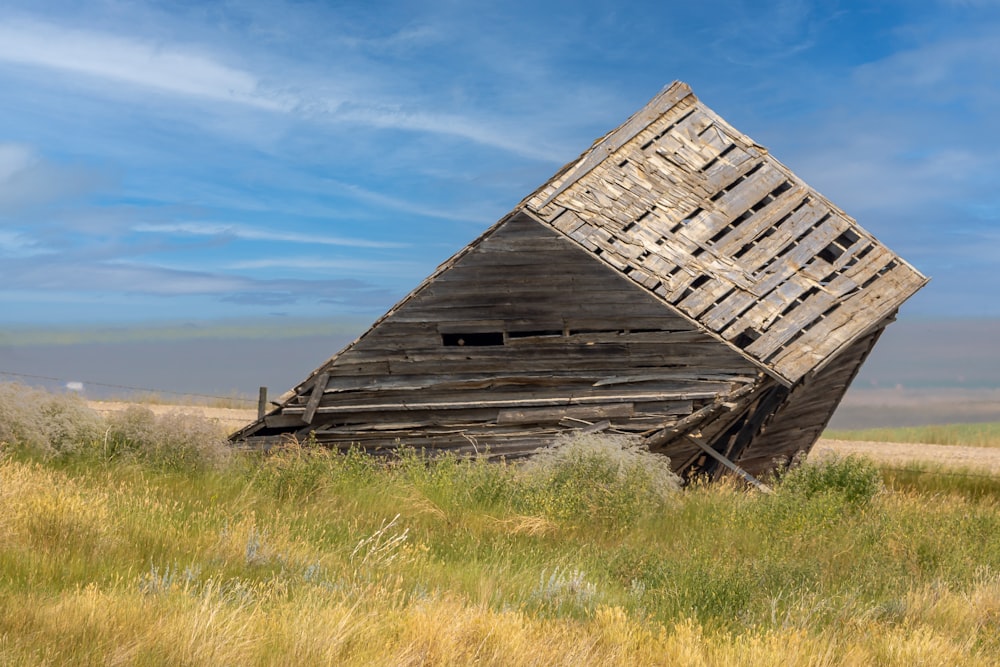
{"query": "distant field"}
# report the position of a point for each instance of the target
(971, 435)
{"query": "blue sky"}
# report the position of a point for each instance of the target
(197, 161)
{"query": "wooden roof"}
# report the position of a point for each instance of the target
(699, 215)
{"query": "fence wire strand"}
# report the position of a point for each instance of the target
(128, 387)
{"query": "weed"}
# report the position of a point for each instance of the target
(854, 479)
(610, 479)
(564, 593)
(46, 425)
(175, 440)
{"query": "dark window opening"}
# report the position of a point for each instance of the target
(831, 309)
(691, 216)
(484, 339)
(530, 334)
(722, 233)
(781, 189)
(744, 339)
(583, 332)
(831, 253)
(847, 239)
(840, 244)
(699, 281)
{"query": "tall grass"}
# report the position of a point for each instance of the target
(114, 555)
(983, 434)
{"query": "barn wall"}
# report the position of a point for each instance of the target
(547, 333)
(800, 421)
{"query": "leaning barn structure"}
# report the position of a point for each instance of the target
(675, 282)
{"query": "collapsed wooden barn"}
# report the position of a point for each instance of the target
(675, 282)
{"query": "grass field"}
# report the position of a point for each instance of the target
(137, 539)
(985, 434)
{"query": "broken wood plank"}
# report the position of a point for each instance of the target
(314, 398)
(539, 415)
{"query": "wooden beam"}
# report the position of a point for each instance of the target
(508, 403)
(665, 435)
(315, 396)
(761, 486)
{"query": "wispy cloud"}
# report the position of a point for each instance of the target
(332, 264)
(159, 281)
(163, 67)
(192, 71)
(479, 130)
(255, 234)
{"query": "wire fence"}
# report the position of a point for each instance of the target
(106, 385)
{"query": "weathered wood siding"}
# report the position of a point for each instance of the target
(551, 340)
(698, 214)
(800, 420)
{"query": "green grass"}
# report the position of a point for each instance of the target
(116, 549)
(985, 434)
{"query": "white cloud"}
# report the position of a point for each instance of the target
(191, 71)
(167, 68)
(963, 67)
(396, 204)
(255, 234)
(330, 265)
(472, 129)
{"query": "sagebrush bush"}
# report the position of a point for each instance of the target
(45, 424)
(176, 439)
(604, 477)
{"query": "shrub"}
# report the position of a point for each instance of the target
(173, 440)
(45, 424)
(603, 477)
(854, 479)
